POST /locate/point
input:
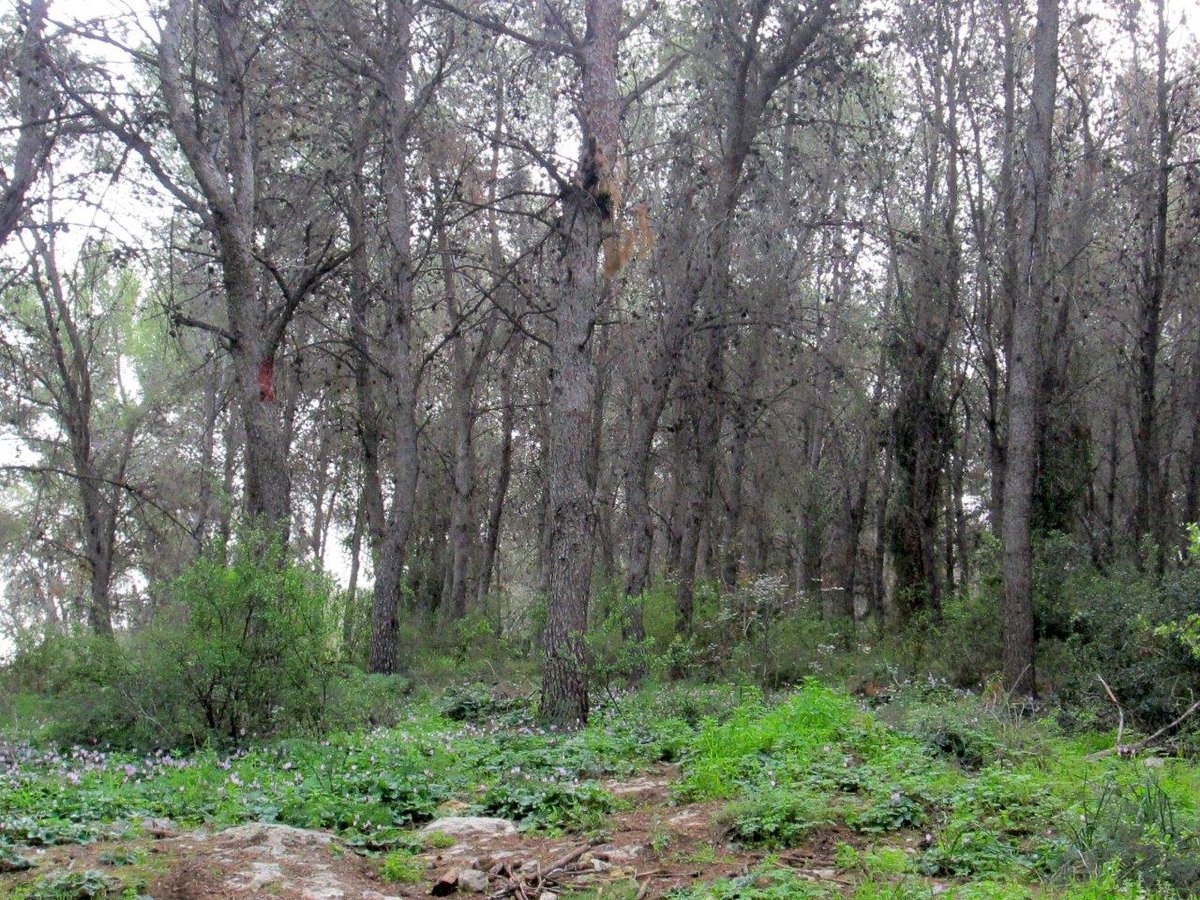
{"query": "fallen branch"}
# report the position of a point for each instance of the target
(518, 886)
(1120, 712)
(563, 861)
(1133, 749)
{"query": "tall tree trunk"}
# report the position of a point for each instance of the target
(229, 185)
(650, 401)
(208, 442)
(402, 389)
(367, 423)
(739, 447)
(585, 219)
(466, 361)
(1022, 400)
(491, 544)
(1148, 516)
(356, 540)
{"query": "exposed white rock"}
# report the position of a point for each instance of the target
(473, 880)
(465, 826)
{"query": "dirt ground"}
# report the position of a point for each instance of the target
(645, 850)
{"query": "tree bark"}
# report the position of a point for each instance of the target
(586, 215)
(1022, 400)
(491, 544)
(1149, 513)
(34, 139)
(402, 389)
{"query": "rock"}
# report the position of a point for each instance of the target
(447, 883)
(529, 867)
(599, 865)
(548, 895)
(11, 862)
(1154, 762)
(160, 828)
(642, 788)
(278, 840)
(614, 854)
(473, 880)
(687, 818)
(262, 860)
(471, 825)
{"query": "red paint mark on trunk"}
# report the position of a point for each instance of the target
(266, 379)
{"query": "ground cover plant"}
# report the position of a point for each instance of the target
(896, 806)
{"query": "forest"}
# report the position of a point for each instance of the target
(623, 449)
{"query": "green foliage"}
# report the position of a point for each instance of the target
(355, 699)
(891, 812)
(765, 883)
(1136, 632)
(1029, 805)
(11, 861)
(886, 861)
(776, 818)
(258, 643)
(548, 803)
(120, 693)
(87, 885)
(1138, 832)
(962, 850)
(121, 858)
(401, 866)
(737, 751)
(613, 657)
(478, 703)
(245, 647)
(438, 840)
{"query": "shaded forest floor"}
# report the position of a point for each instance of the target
(693, 791)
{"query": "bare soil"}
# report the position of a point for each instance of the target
(652, 846)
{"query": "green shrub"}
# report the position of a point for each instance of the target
(890, 812)
(89, 885)
(127, 692)
(969, 850)
(949, 725)
(1139, 832)
(356, 699)
(547, 803)
(480, 704)
(244, 645)
(258, 642)
(775, 817)
(734, 752)
(1132, 629)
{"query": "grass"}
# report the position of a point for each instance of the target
(401, 866)
(933, 791)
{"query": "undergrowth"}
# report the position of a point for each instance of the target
(936, 788)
